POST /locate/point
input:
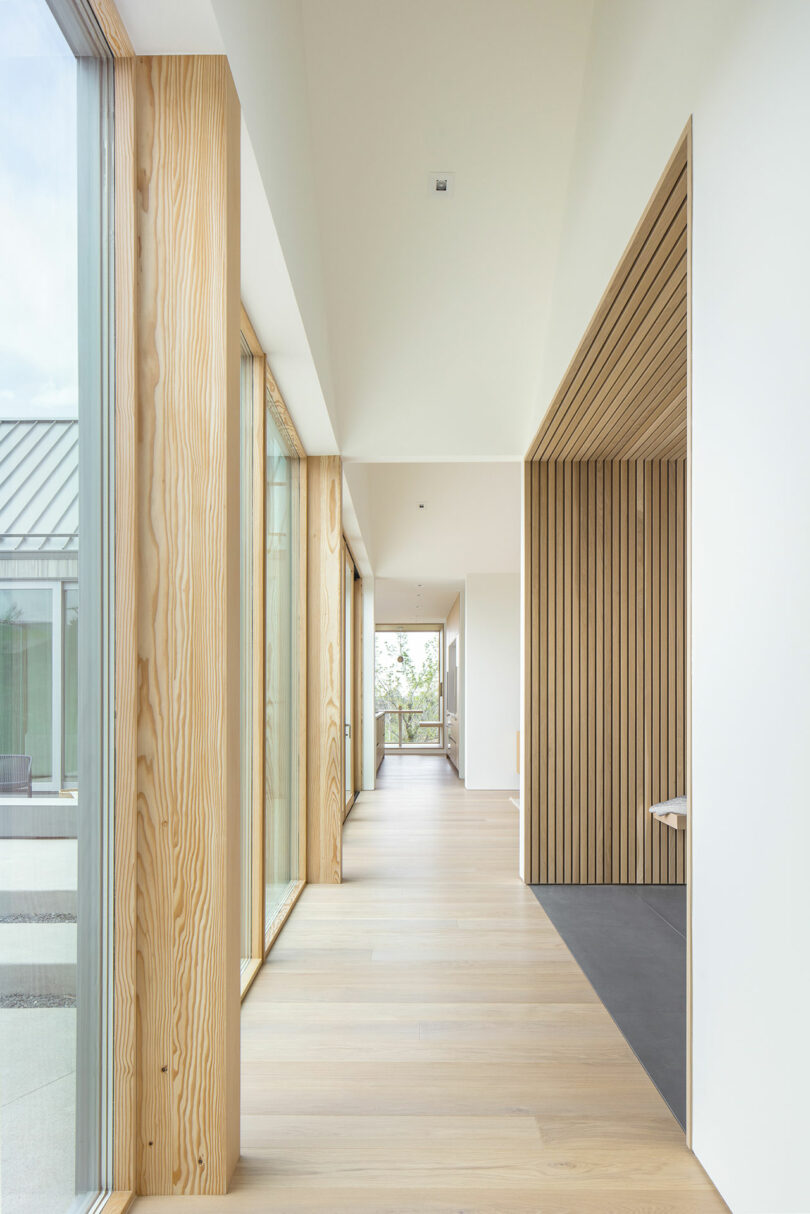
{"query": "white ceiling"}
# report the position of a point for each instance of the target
(406, 330)
(470, 522)
(183, 27)
(437, 307)
(397, 601)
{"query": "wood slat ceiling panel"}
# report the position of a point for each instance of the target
(624, 394)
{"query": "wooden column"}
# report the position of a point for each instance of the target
(187, 888)
(325, 745)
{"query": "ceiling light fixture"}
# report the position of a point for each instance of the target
(442, 184)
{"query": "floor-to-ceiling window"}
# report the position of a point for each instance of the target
(348, 678)
(247, 508)
(282, 614)
(408, 685)
(56, 599)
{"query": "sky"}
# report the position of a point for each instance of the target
(38, 215)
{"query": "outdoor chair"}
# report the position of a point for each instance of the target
(15, 776)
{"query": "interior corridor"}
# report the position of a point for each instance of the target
(421, 1039)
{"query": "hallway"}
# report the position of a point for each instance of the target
(421, 1040)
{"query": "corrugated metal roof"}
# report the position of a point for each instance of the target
(39, 486)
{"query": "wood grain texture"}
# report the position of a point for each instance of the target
(379, 740)
(325, 739)
(606, 683)
(282, 415)
(114, 30)
(126, 630)
(118, 1202)
(624, 393)
(188, 624)
(421, 1039)
(282, 914)
(611, 616)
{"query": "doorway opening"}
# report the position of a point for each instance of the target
(408, 687)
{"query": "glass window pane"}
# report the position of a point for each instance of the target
(281, 670)
(246, 642)
(26, 682)
(70, 686)
(55, 110)
(407, 665)
(348, 678)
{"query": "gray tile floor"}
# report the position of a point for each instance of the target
(631, 942)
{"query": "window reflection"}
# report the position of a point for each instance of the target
(281, 669)
(55, 110)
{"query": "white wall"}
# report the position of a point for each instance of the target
(264, 43)
(743, 71)
(751, 622)
(491, 679)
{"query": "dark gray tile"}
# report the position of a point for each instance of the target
(634, 956)
(670, 903)
(659, 1043)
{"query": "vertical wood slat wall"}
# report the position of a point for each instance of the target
(606, 669)
(605, 624)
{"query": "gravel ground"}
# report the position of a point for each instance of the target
(26, 1001)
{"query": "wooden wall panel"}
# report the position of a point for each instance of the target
(624, 393)
(187, 936)
(607, 680)
(325, 738)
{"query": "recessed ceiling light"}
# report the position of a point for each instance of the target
(442, 185)
(421, 505)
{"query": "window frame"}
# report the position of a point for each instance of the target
(269, 401)
(440, 747)
(93, 1128)
(252, 547)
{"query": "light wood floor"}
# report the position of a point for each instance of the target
(421, 1040)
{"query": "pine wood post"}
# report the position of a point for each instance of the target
(187, 895)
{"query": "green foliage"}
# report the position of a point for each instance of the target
(406, 684)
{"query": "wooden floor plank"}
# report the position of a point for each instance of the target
(422, 1040)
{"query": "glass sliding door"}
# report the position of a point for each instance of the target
(56, 607)
(246, 396)
(408, 685)
(348, 678)
(282, 612)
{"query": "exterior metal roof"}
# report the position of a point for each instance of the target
(39, 486)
